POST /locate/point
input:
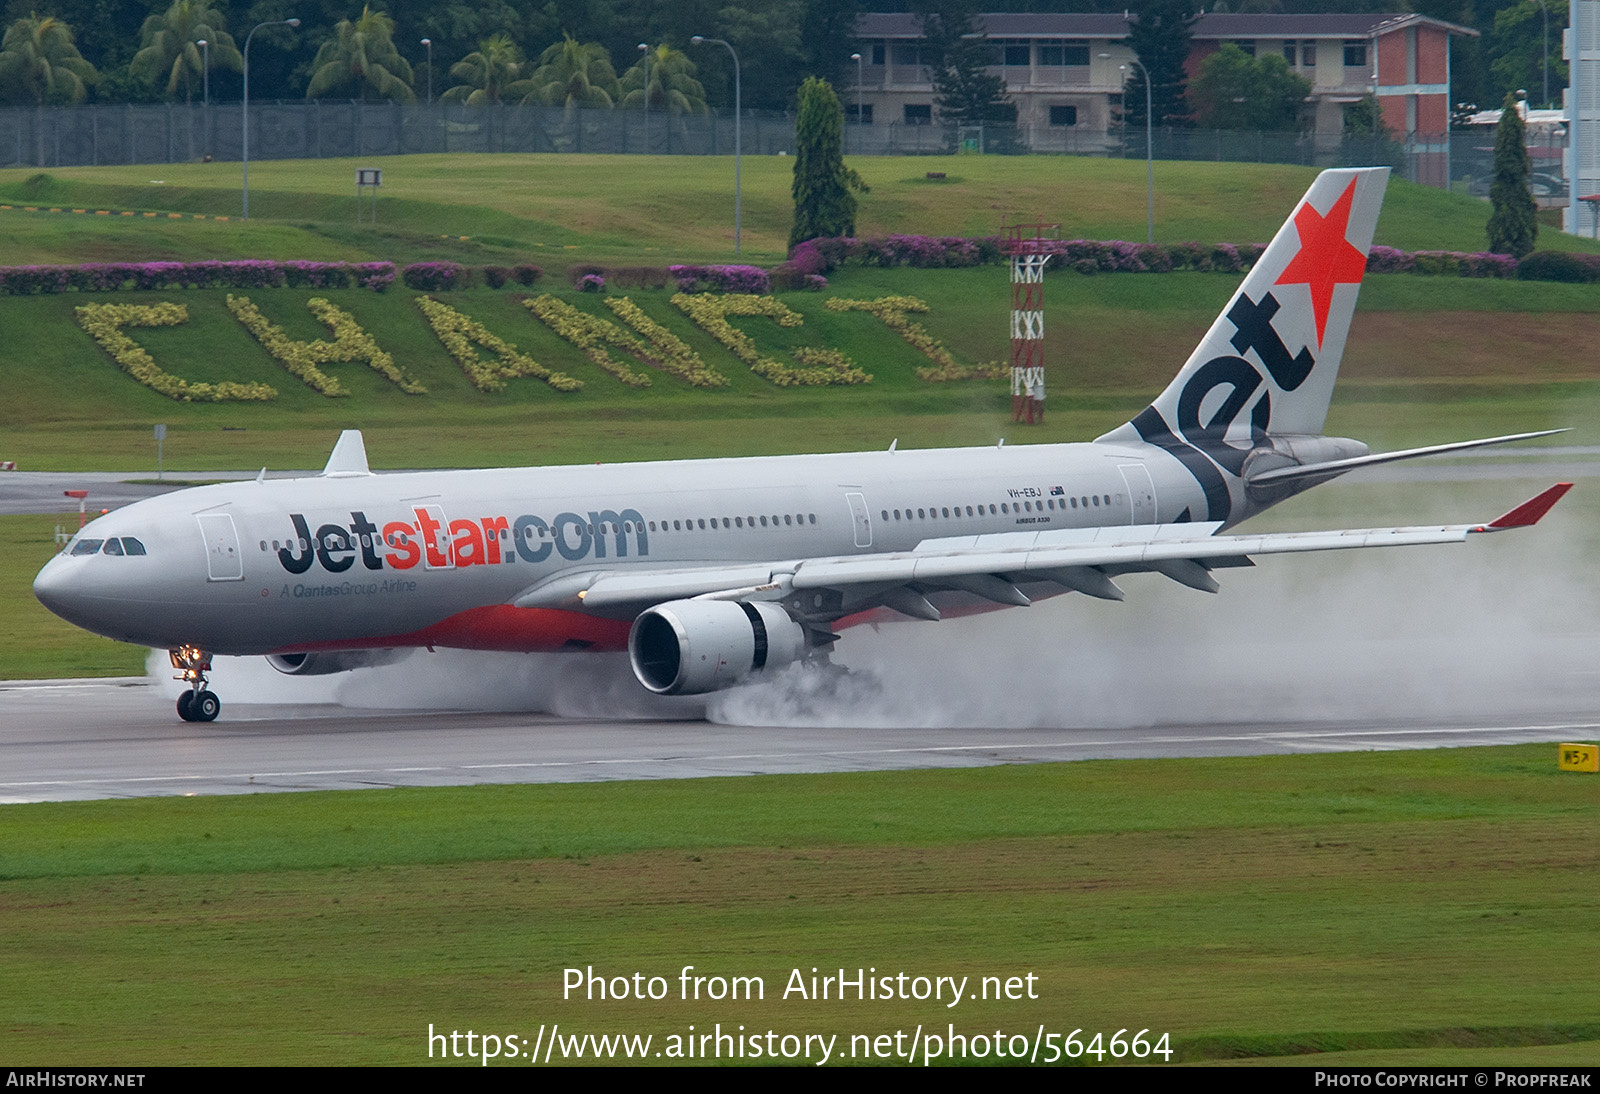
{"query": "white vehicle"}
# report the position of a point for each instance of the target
(707, 571)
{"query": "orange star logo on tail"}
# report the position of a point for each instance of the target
(1326, 257)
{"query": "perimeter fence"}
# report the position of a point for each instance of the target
(73, 136)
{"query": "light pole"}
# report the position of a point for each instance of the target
(246, 143)
(205, 81)
(644, 49)
(856, 57)
(738, 146)
(1546, 9)
(1149, 149)
(429, 43)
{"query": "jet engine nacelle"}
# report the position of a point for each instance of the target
(328, 662)
(689, 647)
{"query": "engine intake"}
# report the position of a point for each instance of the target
(689, 647)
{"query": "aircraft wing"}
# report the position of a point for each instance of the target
(992, 565)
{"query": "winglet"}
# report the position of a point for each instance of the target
(1529, 512)
(349, 456)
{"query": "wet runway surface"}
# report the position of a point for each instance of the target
(71, 740)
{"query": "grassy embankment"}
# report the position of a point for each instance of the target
(1112, 339)
(1438, 903)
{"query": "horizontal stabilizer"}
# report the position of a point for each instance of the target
(1331, 468)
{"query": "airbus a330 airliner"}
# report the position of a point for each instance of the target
(708, 571)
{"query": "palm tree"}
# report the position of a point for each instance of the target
(39, 64)
(673, 87)
(361, 57)
(486, 73)
(172, 52)
(571, 74)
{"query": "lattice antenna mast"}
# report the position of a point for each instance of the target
(1029, 247)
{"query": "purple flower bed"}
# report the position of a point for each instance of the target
(741, 279)
(1113, 256)
(591, 283)
(251, 274)
(803, 270)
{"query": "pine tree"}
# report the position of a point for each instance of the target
(1513, 228)
(956, 50)
(1160, 35)
(823, 203)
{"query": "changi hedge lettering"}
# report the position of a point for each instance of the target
(488, 360)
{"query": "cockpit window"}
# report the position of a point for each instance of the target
(132, 546)
(113, 547)
(87, 546)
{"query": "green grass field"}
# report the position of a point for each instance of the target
(626, 209)
(1436, 902)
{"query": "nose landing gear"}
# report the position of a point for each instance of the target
(197, 704)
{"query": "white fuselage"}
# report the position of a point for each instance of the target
(377, 560)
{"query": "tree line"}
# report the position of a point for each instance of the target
(71, 51)
(65, 51)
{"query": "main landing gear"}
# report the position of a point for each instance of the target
(197, 704)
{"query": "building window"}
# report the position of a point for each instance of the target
(1246, 45)
(850, 112)
(1015, 53)
(919, 113)
(1291, 53)
(1063, 115)
(1308, 55)
(877, 54)
(1064, 53)
(1355, 54)
(907, 53)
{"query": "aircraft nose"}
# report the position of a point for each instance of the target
(54, 588)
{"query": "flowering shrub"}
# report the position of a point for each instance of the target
(149, 276)
(436, 276)
(893, 312)
(591, 283)
(104, 323)
(710, 313)
(1558, 266)
(730, 279)
(588, 333)
(803, 270)
(459, 334)
(351, 343)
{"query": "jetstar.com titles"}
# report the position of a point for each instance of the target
(430, 540)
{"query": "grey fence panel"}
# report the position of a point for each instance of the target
(44, 137)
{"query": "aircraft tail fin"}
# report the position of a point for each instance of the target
(1269, 361)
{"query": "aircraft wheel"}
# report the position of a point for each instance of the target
(186, 705)
(205, 707)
